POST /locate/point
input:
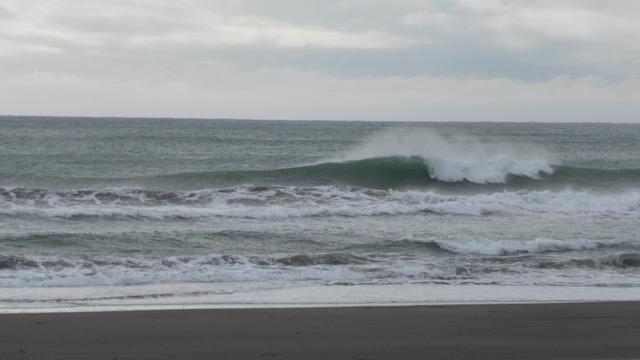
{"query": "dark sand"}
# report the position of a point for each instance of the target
(543, 331)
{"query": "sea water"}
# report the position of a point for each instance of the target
(179, 211)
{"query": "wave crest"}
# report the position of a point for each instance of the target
(457, 158)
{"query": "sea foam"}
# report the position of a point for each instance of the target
(299, 202)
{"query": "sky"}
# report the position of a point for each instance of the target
(403, 60)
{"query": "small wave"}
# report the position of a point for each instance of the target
(107, 196)
(510, 247)
(14, 262)
(487, 247)
(323, 259)
(99, 271)
(627, 260)
(621, 261)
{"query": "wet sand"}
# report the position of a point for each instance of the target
(539, 331)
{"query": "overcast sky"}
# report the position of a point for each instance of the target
(466, 60)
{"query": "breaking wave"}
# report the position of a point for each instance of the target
(399, 172)
(417, 159)
(328, 268)
(456, 158)
(404, 160)
(297, 202)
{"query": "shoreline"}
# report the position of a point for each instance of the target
(195, 296)
(590, 330)
(283, 306)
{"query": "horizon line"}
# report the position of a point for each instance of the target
(114, 117)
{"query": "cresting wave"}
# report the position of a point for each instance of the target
(397, 159)
(398, 172)
(456, 158)
(278, 202)
(403, 160)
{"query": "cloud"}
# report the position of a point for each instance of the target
(223, 90)
(91, 24)
(4, 13)
(344, 59)
(583, 29)
(264, 33)
(427, 19)
(556, 20)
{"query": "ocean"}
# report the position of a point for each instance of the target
(110, 211)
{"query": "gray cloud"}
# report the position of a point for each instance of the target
(350, 59)
(4, 13)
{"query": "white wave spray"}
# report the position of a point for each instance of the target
(457, 158)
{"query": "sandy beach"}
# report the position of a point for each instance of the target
(514, 331)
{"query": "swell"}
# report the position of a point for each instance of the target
(415, 172)
(381, 173)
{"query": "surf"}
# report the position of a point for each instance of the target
(288, 202)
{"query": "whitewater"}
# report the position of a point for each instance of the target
(124, 212)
